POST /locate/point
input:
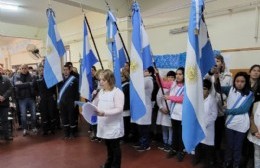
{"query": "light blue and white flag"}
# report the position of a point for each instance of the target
(199, 60)
(89, 59)
(55, 50)
(140, 60)
(115, 47)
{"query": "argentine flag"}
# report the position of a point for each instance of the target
(89, 59)
(140, 59)
(115, 47)
(199, 60)
(55, 50)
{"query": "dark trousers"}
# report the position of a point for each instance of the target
(4, 121)
(144, 135)
(177, 143)
(113, 153)
(68, 116)
(205, 153)
(219, 131)
(234, 146)
(47, 108)
(127, 127)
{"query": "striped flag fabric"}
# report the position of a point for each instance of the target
(88, 60)
(55, 51)
(140, 60)
(115, 47)
(199, 60)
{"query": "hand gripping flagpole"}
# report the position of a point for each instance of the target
(160, 84)
(119, 35)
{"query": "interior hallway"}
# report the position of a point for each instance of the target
(36, 151)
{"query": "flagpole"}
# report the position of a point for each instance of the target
(160, 83)
(93, 42)
(119, 35)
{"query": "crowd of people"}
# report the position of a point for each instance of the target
(231, 112)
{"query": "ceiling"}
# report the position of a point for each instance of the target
(33, 12)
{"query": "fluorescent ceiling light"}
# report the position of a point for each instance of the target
(8, 6)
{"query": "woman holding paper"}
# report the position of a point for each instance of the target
(110, 103)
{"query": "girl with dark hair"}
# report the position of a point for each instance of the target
(236, 109)
(176, 98)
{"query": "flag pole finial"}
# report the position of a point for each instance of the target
(107, 5)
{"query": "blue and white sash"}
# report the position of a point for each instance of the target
(64, 87)
(237, 104)
(178, 93)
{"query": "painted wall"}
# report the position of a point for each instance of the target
(226, 32)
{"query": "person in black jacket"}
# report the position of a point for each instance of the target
(68, 93)
(47, 97)
(5, 93)
(25, 94)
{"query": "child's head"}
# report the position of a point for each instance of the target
(241, 83)
(171, 75)
(180, 75)
(206, 87)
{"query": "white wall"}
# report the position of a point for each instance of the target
(226, 32)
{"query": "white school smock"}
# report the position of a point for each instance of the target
(111, 125)
(210, 115)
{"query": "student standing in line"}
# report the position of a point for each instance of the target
(163, 118)
(176, 98)
(239, 101)
(110, 127)
(205, 149)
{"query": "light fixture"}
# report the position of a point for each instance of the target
(8, 6)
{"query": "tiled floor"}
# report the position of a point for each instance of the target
(35, 151)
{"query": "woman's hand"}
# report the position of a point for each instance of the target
(100, 113)
(164, 110)
(166, 97)
(257, 135)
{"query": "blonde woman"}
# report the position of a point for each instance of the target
(110, 103)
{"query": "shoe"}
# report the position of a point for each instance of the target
(167, 148)
(171, 153)
(180, 156)
(24, 132)
(226, 165)
(35, 131)
(137, 145)
(8, 138)
(162, 146)
(93, 139)
(195, 160)
(142, 148)
(66, 137)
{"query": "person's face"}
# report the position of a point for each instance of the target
(179, 76)
(146, 73)
(66, 71)
(170, 78)
(93, 72)
(205, 92)
(218, 63)
(255, 73)
(240, 82)
(103, 82)
(24, 70)
(41, 71)
(1, 70)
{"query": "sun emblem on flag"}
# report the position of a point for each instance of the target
(192, 74)
(133, 66)
(49, 49)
